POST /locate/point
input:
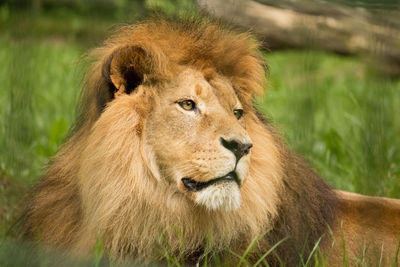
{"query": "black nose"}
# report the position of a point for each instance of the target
(237, 147)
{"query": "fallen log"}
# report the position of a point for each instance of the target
(373, 34)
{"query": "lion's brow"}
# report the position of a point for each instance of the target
(198, 89)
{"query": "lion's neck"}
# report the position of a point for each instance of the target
(307, 211)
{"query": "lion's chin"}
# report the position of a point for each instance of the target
(221, 196)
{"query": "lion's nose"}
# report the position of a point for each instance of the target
(238, 148)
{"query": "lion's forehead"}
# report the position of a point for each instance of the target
(225, 92)
(218, 88)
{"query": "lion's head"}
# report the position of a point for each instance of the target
(193, 134)
(176, 128)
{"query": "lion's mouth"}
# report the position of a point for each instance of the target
(193, 185)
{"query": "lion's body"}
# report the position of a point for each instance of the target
(367, 229)
(121, 176)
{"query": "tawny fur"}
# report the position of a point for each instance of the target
(107, 182)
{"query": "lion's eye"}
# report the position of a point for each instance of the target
(238, 113)
(187, 104)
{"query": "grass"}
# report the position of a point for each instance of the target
(341, 116)
(336, 111)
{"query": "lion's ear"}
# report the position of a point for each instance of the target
(126, 68)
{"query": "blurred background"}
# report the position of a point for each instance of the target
(333, 89)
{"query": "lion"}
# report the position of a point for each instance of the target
(170, 158)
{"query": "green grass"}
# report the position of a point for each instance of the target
(36, 112)
(39, 89)
(333, 110)
(341, 116)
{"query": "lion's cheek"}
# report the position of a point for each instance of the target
(242, 169)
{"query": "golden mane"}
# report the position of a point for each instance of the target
(208, 45)
(172, 44)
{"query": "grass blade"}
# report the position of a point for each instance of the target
(269, 251)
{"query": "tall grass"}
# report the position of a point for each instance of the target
(39, 90)
(340, 115)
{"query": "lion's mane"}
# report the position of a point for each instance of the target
(121, 202)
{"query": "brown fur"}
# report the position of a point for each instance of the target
(109, 181)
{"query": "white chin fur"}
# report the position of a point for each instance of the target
(224, 195)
